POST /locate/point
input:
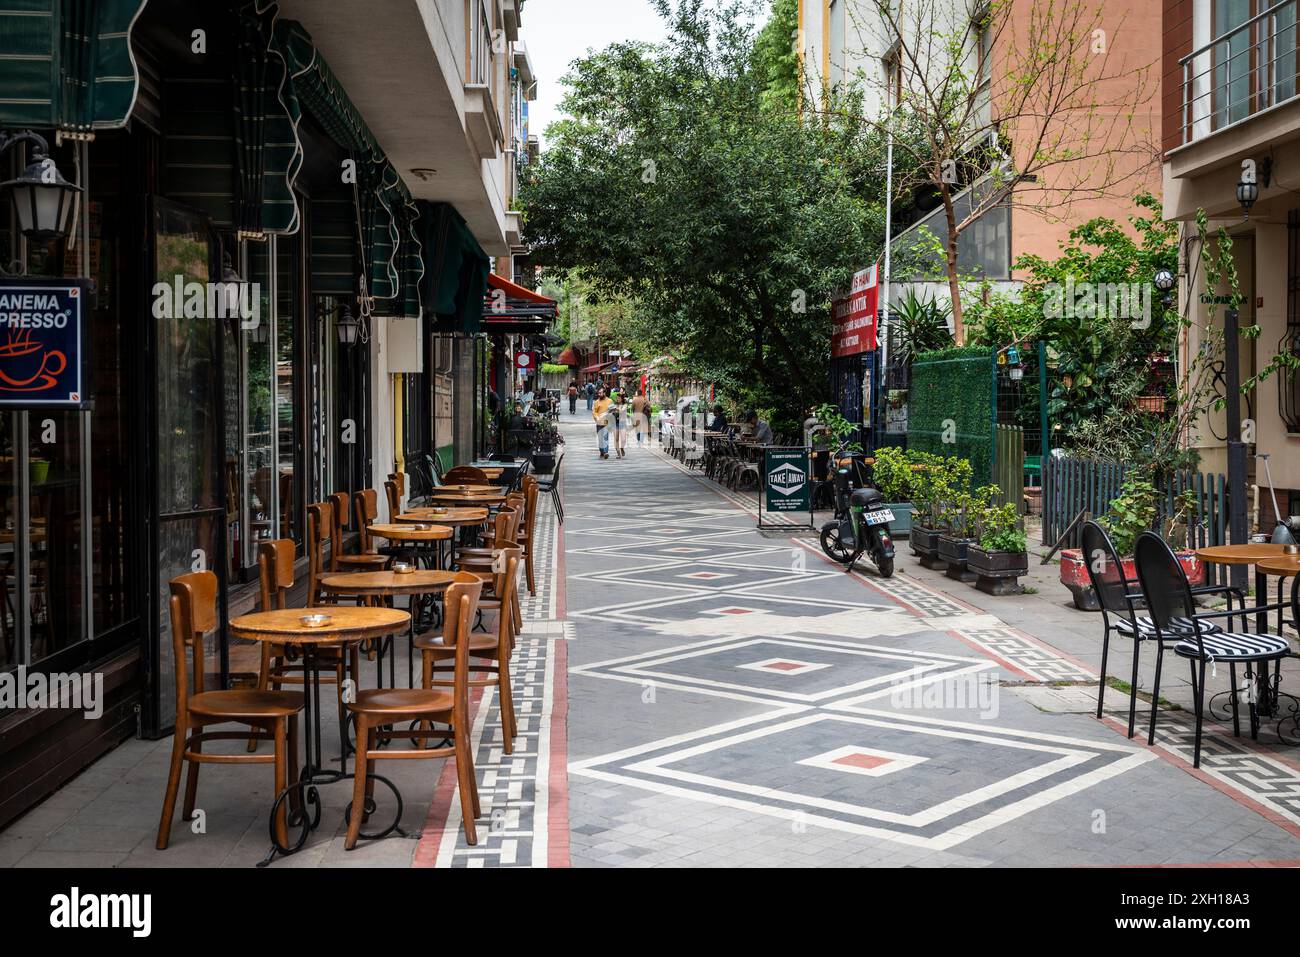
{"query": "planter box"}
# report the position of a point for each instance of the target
(953, 552)
(925, 546)
(997, 573)
(902, 523)
(1074, 575)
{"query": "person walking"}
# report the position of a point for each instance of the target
(591, 394)
(600, 414)
(622, 423)
(641, 415)
(573, 397)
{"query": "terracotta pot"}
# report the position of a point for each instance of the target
(1074, 575)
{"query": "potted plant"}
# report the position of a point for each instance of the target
(546, 437)
(894, 479)
(1127, 516)
(1002, 554)
(962, 531)
(939, 482)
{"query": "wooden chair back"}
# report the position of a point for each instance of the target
(465, 475)
(194, 614)
(394, 493)
(365, 506)
(275, 572)
(320, 525)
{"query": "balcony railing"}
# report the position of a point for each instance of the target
(1247, 70)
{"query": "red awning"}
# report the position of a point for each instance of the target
(568, 357)
(513, 291)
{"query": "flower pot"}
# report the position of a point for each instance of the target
(902, 523)
(1074, 575)
(997, 572)
(925, 546)
(953, 551)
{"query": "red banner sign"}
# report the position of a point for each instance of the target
(854, 316)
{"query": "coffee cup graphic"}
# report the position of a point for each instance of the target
(27, 365)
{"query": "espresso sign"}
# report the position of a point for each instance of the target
(44, 347)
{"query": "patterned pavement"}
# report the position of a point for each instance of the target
(735, 700)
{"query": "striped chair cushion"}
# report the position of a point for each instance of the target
(1177, 628)
(1235, 646)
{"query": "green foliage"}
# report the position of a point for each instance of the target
(922, 325)
(726, 226)
(1131, 513)
(892, 474)
(1000, 529)
(950, 406)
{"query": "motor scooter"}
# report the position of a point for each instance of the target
(861, 523)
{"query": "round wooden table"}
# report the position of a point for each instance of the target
(345, 626)
(388, 584)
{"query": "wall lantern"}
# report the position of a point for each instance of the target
(42, 198)
(349, 327)
(1164, 280)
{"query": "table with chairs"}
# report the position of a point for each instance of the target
(350, 613)
(1160, 607)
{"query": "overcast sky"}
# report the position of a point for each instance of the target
(559, 31)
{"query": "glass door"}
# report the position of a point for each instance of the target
(190, 452)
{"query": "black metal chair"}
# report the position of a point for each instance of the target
(1119, 599)
(552, 486)
(1168, 597)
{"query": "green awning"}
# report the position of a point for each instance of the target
(456, 270)
(67, 64)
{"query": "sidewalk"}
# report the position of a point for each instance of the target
(737, 700)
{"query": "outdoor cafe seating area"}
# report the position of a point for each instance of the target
(442, 575)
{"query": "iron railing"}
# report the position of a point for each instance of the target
(1248, 69)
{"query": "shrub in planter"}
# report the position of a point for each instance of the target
(1130, 514)
(1002, 554)
(892, 473)
(961, 533)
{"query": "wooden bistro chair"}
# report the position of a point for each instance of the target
(276, 579)
(364, 561)
(376, 712)
(490, 653)
(465, 475)
(273, 714)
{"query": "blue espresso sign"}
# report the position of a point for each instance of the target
(44, 354)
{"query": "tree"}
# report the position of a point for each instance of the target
(727, 224)
(1015, 103)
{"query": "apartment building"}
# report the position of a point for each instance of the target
(350, 170)
(847, 43)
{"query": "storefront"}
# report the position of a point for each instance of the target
(248, 247)
(853, 350)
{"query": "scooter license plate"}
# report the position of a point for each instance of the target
(882, 517)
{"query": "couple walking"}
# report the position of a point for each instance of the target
(616, 413)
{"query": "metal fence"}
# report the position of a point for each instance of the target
(1076, 490)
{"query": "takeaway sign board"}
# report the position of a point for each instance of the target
(44, 343)
(854, 316)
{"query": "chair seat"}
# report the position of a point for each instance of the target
(1236, 646)
(233, 705)
(1178, 628)
(364, 559)
(401, 701)
(480, 644)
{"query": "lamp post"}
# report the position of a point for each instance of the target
(42, 198)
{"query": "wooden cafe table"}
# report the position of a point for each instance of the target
(341, 625)
(1267, 558)
(388, 584)
(414, 535)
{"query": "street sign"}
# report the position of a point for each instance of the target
(44, 343)
(787, 484)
